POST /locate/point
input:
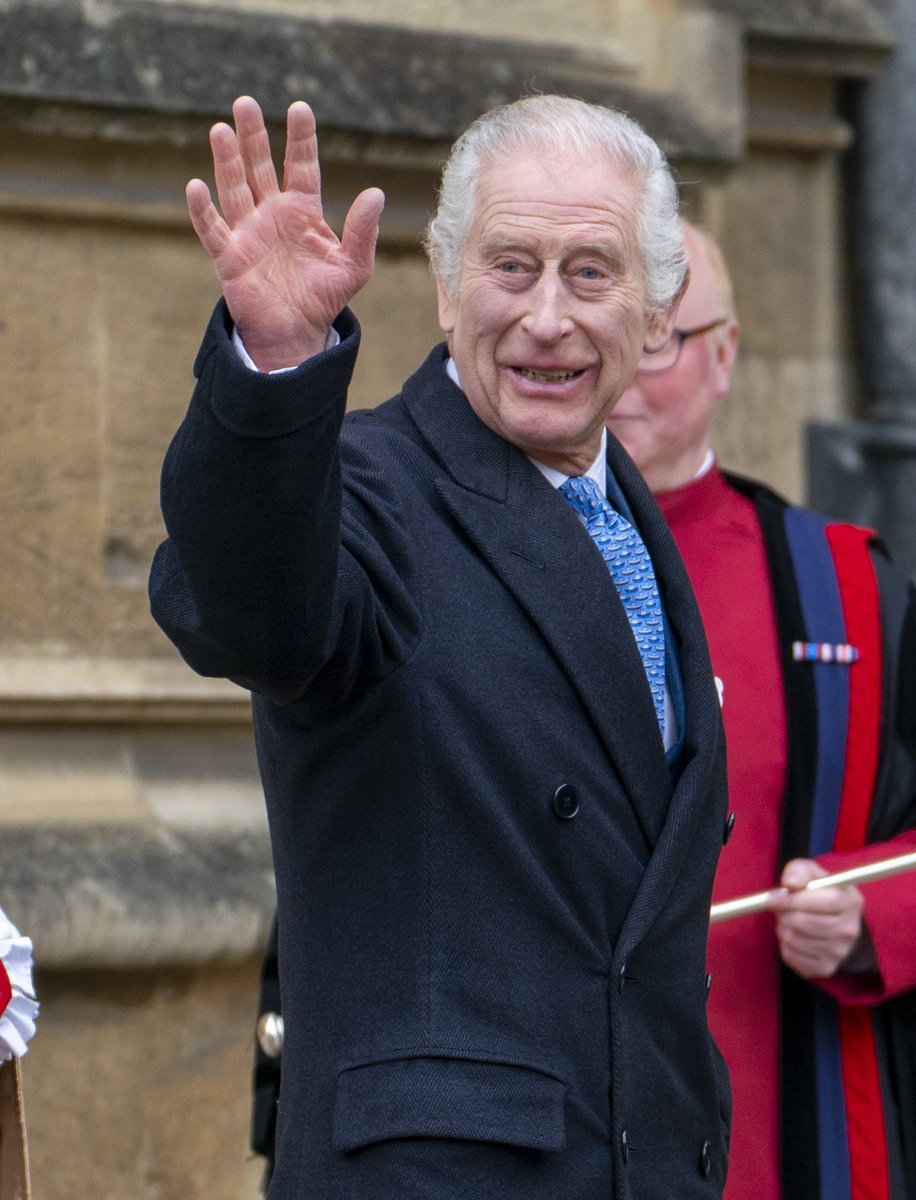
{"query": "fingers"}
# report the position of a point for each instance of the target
(208, 224)
(360, 230)
(816, 930)
(242, 162)
(301, 170)
(816, 927)
(808, 965)
(242, 165)
(235, 195)
(822, 902)
(254, 145)
(815, 951)
(800, 871)
(790, 894)
(261, 223)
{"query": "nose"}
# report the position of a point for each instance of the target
(548, 318)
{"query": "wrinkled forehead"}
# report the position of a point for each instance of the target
(566, 190)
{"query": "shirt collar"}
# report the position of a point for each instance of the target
(706, 465)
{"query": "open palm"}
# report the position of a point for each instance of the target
(284, 273)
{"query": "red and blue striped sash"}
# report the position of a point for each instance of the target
(839, 598)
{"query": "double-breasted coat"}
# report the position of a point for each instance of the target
(492, 890)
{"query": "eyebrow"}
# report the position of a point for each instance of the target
(498, 245)
(614, 255)
(610, 254)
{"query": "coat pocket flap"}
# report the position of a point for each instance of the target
(449, 1098)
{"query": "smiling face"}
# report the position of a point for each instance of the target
(663, 419)
(549, 319)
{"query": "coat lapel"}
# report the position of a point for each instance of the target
(542, 553)
(702, 755)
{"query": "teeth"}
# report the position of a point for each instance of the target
(547, 376)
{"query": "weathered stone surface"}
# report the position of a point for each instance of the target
(840, 21)
(114, 320)
(122, 896)
(137, 1085)
(40, 689)
(834, 38)
(371, 79)
(885, 215)
(865, 471)
(778, 220)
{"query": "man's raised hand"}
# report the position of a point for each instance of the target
(283, 271)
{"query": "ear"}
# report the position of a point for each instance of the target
(661, 323)
(726, 352)
(446, 307)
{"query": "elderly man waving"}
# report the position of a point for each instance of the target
(486, 720)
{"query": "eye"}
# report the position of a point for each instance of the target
(510, 267)
(589, 273)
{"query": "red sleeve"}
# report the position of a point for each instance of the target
(890, 914)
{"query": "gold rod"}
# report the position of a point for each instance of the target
(863, 874)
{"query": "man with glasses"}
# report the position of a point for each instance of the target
(813, 641)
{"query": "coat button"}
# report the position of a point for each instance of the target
(729, 826)
(706, 1159)
(625, 1146)
(565, 801)
(270, 1034)
(708, 985)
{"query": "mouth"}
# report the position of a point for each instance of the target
(547, 376)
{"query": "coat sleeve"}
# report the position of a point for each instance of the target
(268, 575)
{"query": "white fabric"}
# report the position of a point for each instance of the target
(332, 341)
(706, 465)
(17, 1020)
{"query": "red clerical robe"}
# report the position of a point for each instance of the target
(719, 534)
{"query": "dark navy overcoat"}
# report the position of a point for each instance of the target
(492, 898)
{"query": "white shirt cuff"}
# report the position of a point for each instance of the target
(332, 341)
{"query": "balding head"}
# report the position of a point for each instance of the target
(663, 419)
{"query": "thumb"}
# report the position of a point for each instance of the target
(799, 872)
(360, 230)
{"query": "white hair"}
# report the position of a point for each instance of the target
(552, 126)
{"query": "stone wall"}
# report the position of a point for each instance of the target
(132, 834)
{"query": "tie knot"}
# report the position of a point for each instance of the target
(584, 495)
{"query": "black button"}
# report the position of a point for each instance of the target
(706, 1159)
(729, 826)
(625, 1146)
(565, 801)
(708, 985)
(622, 976)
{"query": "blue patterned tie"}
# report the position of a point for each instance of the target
(631, 570)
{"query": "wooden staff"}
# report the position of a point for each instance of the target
(14, 1154)
(864, 874)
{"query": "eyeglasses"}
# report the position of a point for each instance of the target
(664, 359)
